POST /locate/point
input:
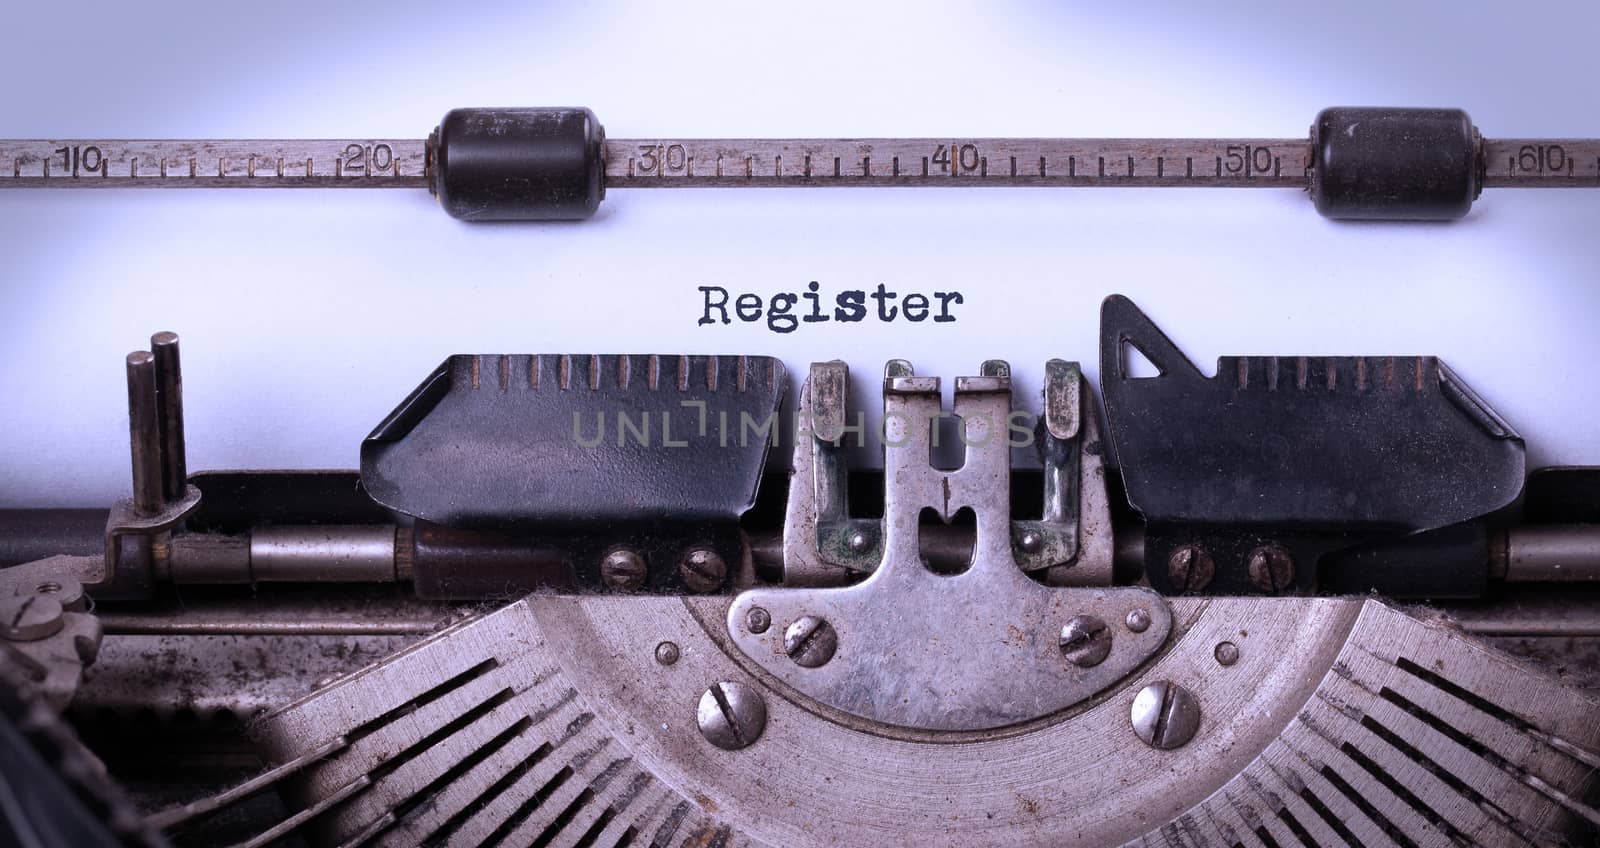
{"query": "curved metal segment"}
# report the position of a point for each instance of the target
(950, 653)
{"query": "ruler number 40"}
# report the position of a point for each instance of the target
(965, 157)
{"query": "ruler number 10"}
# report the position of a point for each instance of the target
(76, 159)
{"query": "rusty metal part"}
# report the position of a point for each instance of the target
(702, 570)
(623, 569)
(284, 610)
(1165, 715)
(731, 715)
(1552, 553)
(232, 674)
(169, 414)
(1271, 568)
(969, 651)
(46, 643)
(550, 721)
(823, 545)
(323, 554)
(1190, 568)
(144, 433)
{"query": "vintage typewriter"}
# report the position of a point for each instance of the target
(600, 601)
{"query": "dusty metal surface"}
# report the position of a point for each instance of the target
(970, 651)
(1340, 722)
(201, 675)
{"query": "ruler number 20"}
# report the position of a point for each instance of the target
(358, 158)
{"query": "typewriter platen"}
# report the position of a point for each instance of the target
(1307, 601)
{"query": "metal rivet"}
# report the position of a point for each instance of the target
(28, 618)
(1138, 620)
(1030, 541)
(1165, 715)
(810, 641)
(1190, 568)
(623, 569)
(1226, 653)
(1085, 640)
(859, 542)
(731, 716)
(667, 653)
(1271, 568)
(702, 570)
(757, 620)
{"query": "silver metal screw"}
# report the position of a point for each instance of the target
(667, 653)
(757, 620)
(1226, 653)
(623, 569)
(1190, 568)
(859, 543)
(731, 716)
(1030, 541)
(810, 641)
(1271, 568)
(1086, 641)
(1165, 715)
(702, 570)
(1138, 620)
(28, 618)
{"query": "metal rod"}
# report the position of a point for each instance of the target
(1552, 553)
(144, 432)
(956, 161)
(214, 163)
(169, 411)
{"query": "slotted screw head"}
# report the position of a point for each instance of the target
(27, 618)
(623, 569)
(1165, 715)
(1271, 568)
(731, 715)
(1190, 568)
(810, 641)
(1085, 641)
(702, 570)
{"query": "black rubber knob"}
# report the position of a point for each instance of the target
(1395, 164)
(518, 164)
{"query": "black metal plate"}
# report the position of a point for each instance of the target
(509, 442)
(1394, 442)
